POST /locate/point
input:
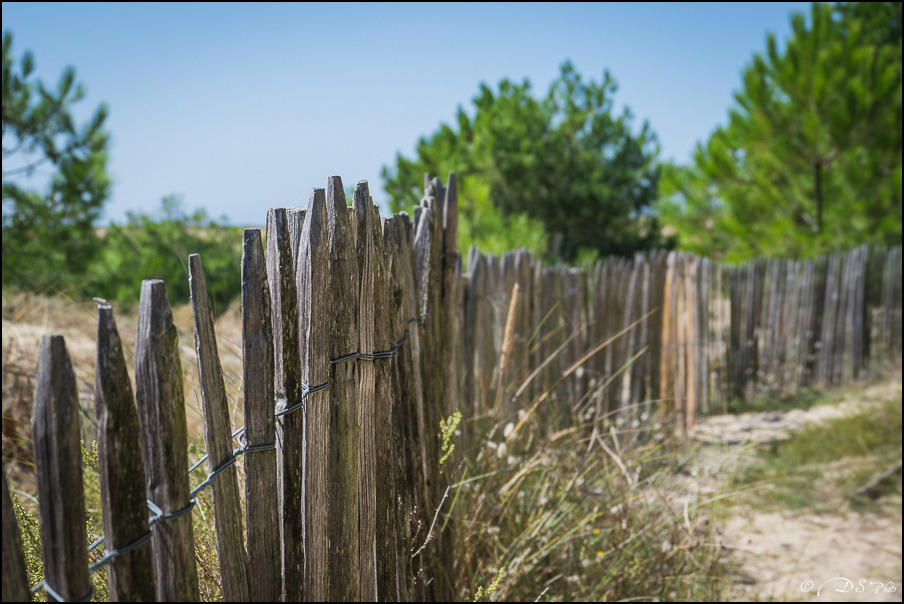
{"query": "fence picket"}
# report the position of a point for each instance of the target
(284, 299)
(261, 516)
(314, 311)
(366, 401)
(386, 438)
(161, 414)
(58, 472)
(392, 333)
(412, 406)
(227, 509)
(121, 467)
(345, 580)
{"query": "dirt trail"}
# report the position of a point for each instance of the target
(844, 555)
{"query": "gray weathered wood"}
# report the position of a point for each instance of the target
(367, 427)
(261, 516)
(629, 342)
(344, 570)
(425, 250)
(690, 346)
(123, 488)
(830, 317)
(387, 539)
(15, 579)
(537, 317)
(666, 384)
(314, 316)
(402, 440)
(817, 318)
(450, 273)
(485, 346)
(161, 414)
(227, 509)
(281, 271)
(412, 404)
(736, 367)
(449, 355)
(468, 334)
(58, 472)
(680, 334)
(430, 276)
(657, 302)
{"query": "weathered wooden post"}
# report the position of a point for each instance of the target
(314, 316)
(367, 428)
(412, 403)
(261, 516)
(281, 271)
(392, 333)
(227, 509)
(345, 583)
(123, 486)
(58, 472)
(161, 413)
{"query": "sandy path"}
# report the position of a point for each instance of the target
(843, 555)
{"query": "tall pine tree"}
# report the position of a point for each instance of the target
(811, 157)
(48, 237)
(563, 170)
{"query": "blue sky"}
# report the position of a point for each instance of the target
(243, 107)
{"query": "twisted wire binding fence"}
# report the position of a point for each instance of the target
(394, 336)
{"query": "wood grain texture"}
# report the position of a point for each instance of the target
(343, 488)
(281, 271)
(58, 472)
(261, 516)
(402, 440)
(161, 414)
(411, 392)
(227, 509)
(387, 431)
(130, 577)
(314, 316)
(366, 404)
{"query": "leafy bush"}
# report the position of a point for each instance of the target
(145, 248)
(48, 237)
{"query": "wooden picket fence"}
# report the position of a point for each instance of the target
(669, 328)
(359, 335)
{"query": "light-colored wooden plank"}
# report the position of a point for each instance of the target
(227, 509)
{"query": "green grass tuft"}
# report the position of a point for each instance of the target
(827, 459)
